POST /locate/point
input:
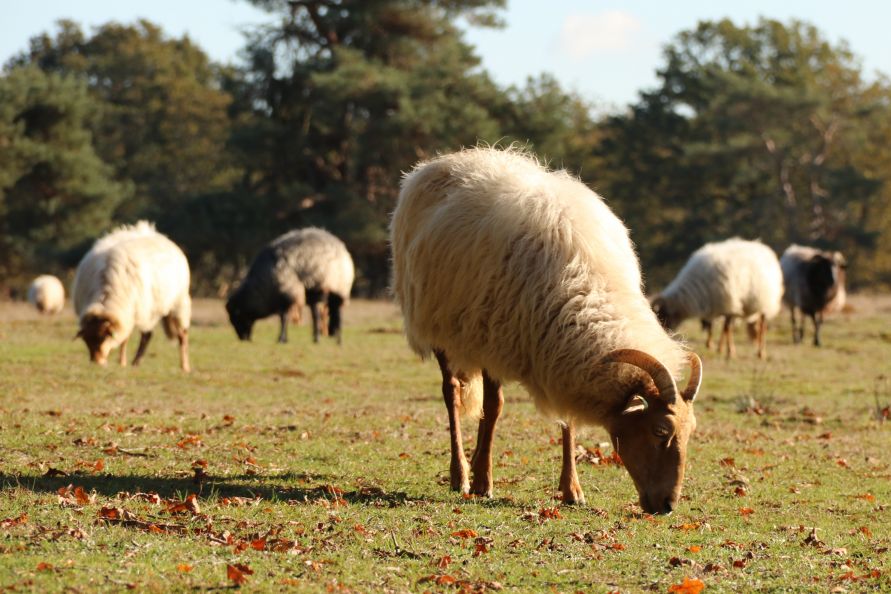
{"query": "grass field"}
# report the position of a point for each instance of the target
(320, 468)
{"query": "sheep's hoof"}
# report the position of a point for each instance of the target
(484, 490)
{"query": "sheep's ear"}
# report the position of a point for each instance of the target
(635, 404)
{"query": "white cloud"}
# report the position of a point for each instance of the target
(583, 35)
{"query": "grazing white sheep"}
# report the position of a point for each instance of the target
(132, 278)
(734, 278)
(815, 285)
(309, 266)
(47, 294)
(506, 271)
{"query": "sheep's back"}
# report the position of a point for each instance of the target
(520, 271)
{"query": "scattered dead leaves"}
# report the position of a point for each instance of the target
(688, 586)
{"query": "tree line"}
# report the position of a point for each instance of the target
(765, 130)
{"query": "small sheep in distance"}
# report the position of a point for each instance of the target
(732, 278)
(506, 271)
(815, 285)
(132, 278)
(305, 266)
(47, 294)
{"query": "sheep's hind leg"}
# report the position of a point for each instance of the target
(144, 339)
(493, 402)
(569, 478)
(762, 336)
(183, 336)
(122, 355)
(728, 333)
(451, 392)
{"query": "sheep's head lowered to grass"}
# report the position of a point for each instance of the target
(99, 330)
(651, 430)
(240, 318)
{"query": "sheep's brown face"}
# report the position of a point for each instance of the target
(651, 438)
(98, 333)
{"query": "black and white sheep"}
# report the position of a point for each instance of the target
(47, 294)
(305, 266)
(506, 271)
(132, 278)
(732, 279)
(815, 285)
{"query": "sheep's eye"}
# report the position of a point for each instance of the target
(662, 431)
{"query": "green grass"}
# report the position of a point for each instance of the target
(343, 453)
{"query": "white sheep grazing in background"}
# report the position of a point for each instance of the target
(132, 278)
(815, 285)
(734, 278)
(506, 271)
(47, 294)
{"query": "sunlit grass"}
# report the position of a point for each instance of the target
(327, 468)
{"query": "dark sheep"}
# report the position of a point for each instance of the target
(302, 267)
(815, 285)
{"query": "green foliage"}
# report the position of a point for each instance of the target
(165, 123)
(55, 192)
(754, 131)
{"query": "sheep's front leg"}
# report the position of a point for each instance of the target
(122, 358)
(144, 339)
(184, 350)
(283, 332)
(493, 402)
(569, 478)
(707, 326)
(795, 337)
(451, 392)
(818, 321)
(728, 335)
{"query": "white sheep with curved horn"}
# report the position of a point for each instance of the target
(507, 271)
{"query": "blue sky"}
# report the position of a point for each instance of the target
(606, 50)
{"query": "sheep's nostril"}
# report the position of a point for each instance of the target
(668, 506)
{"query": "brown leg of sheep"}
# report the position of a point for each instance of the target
(122, 358)
(184, 350)
(728, 333)
(796, 338)
(762, 336)
(451, 393)
(707, 326)
(493, 402)
(144, 339)
(569, 478)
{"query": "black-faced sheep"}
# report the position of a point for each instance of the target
(732, 279)
(506, 271)
(815, 285)
(47, 294)
(306, 266)
(132, 278)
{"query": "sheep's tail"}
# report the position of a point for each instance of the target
(471, 403)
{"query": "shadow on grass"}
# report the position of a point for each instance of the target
(178, 487)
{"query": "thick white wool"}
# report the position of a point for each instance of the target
(526, 273)
(321, 260)
(734, 277)
(136, 275)
(47, 294)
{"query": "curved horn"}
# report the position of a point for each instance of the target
(661, 377)
(695, 381)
